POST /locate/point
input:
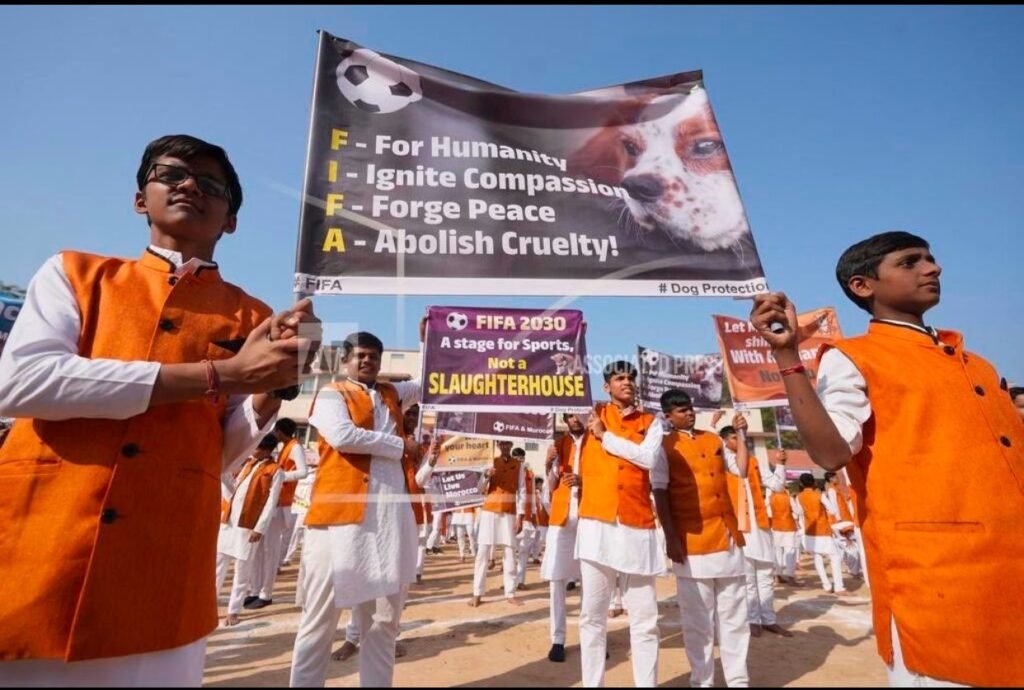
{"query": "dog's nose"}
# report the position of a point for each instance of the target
(643, 187)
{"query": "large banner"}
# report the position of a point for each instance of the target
(512, 425)
(698, 375)
(505, 360)
(754, 379)
(9, 308)
(424, 181)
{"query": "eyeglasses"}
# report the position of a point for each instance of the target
(174, 176)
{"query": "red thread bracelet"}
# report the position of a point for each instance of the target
(798, 369)
(212, 382)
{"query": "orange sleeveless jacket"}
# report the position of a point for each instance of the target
(614, 487)
(92, 510)
(702, 512)
(343, 479)
(939, 489)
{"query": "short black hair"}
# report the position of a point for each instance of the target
(268, 442)
(807, 480)
(517, 452)
(188, 148)
(673, 398)
(286, 426)
(862, 259)
(727, 431)
(619, 367)
(1015, 391)
(829, 476)
(361, 339)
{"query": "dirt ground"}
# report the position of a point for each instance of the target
(451, 644)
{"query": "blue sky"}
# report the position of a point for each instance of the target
(840, 122)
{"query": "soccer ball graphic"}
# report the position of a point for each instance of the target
(457, 321)
(375, 84)
(650, 360)
(499, 426)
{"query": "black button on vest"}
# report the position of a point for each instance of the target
(173, 280)
(949, 350)
(1005, 441)
(166, 325)
(979, 390)
(108, 516)
(129, 450)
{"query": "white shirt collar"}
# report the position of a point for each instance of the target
(190, 266)
(927, 330)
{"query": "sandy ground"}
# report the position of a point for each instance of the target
(451, 644)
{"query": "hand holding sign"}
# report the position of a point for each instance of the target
(775, 308)
(595, 425)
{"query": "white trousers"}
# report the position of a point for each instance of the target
(559, 613)
(538, 542)
(902, 677)
(181, 667)
(642, 604)
(702, 603)
(435, 533)
(298, 529)
(526, 539)
(245, 575)
(462, 532)
(760, 591)
(837, 571)
(785, 560)
(377, 622)
(508, 567)
(421, 551)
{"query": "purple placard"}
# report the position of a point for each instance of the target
(505, 360)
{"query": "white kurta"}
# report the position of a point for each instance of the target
(233, 540)
(629, 550)
(499, 529)
(42, 376)
(728, 563)
(758, 545)
(560, 562)
(376, 557)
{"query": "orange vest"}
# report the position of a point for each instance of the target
(698, 493)
(782, 512)
(815, 516)
(502, 488)
(93, 512)
(939, 489)
(420, 508)
(257, 494)
(287, 464)
(542, 515)
(562, 494)
(225, 503)
(342, 480)
(756, 492)
(613, 487)
(530, 508)
(844, 510)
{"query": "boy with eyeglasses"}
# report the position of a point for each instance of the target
(136, 383)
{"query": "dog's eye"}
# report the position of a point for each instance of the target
(707, 147)
(630, 147)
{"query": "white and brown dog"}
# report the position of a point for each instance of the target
(674, 168)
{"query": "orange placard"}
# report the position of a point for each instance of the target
(750, 368)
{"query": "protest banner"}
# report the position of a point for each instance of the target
(698, 375)
(461, 452)
(512, 425)
(424, 181)
(754, 379)
(505, 360)
(455, 489)
(784, 418)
